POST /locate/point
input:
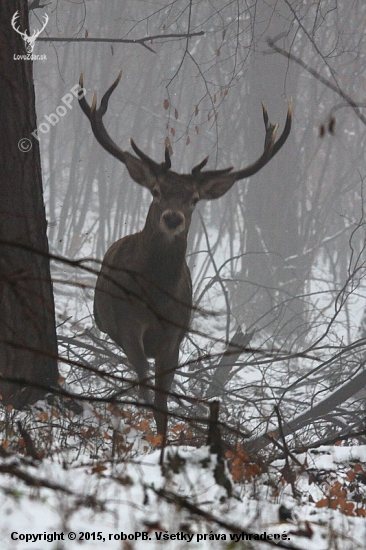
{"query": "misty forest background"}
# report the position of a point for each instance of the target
(280, 254)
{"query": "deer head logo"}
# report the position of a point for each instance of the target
(29, 40)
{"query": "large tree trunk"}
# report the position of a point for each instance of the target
(28, 346)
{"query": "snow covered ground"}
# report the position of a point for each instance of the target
(318, 502)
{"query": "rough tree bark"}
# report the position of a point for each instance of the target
(28, 346)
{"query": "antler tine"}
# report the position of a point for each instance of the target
(104, 103)
(199, 166)
(93, 107)
(168, 163)
(140, 153)
(271, 129)
(82, 101)
(95, 117)
(153, 165)
(286, 131)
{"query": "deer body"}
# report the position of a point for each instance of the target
(143, 296)
(148, 269)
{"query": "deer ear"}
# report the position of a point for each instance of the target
(139, 171)
(216, 186)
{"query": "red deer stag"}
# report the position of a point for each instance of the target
(143, 296)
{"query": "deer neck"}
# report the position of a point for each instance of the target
(164, 258)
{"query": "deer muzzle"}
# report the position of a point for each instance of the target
(172, 222)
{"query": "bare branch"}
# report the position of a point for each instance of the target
(140, 41)
(351, 102)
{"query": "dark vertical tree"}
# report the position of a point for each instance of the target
(28, 346)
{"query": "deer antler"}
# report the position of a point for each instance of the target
(95, 116)
(271, 148)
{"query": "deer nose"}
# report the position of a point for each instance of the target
(173, 219)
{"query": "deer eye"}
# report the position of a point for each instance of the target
(194, 201)
(155, 192)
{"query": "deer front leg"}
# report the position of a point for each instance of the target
(136, 356)
(166, 364)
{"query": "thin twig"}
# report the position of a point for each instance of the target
(335, 88)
